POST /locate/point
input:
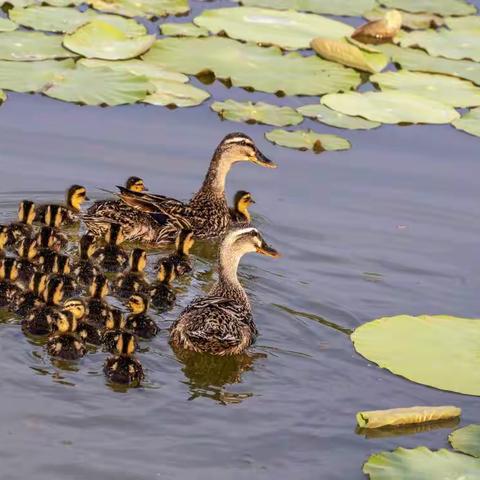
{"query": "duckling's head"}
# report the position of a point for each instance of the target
(184, 242)
(116, 320)
(77, 306)
(135, 184)
(8, 269)
(38, 283)
(114, 235)
(26, 212)
(138, 303)
(46, 238)
(3, 236)
(87, 246)
(76, 196)
(126, 344)
(241, 202)
(27, 248)
(53, 294)
(137, 260)
(55, 215)
(66, 322)
(61, 264)
(166, 273)
(99, 287)
(245, 240)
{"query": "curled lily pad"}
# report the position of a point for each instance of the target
(287, 29)
(99, 39)
(246, 65)
(382, 29)
(466, 440)
(413, 21)
(142, 8)
(463, 23)
(470, 122)
(186, 29)
(7, 25)
(449, 90)
(391, 107)
(440, 7)
(99, 86)
(336, 119)
(177, 94)
(259, 112)
(421, 464)
(435, 350)
(307, 140)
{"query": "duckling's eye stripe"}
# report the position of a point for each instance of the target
(240, 141)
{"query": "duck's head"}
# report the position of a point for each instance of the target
(114, 235)
(116, 320)
(99, 287)
(66, 322)
(27, 248)
(8, 269)
(241, 202)
(184, 242)
(138, 303)
(76, 195)
(46, 238)
(61, 264)
(26, 212)
(87, 246)
(246, 240)
(38, 283)
(53, 294)
(126, 344)
(135, 184)
(3, 236)
(166, 273)
(137, 260)
(77, 306)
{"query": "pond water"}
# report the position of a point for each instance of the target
(389, 227)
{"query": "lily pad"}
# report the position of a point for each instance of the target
(288, 29)
(466, 440)
(186, 29)
(449, 90)
(336, 119)
(440, 7)
(421, 464)
(142, 8)
(391, 107)
(31, 76)
(28, 46)
(246, 65)
(99, 39)
(413, 21)
(259, 112)
(7, 25)
(463, 23)
(179, 94)
(435, 350)
(99, 86)
(307, 140)
(470, 122)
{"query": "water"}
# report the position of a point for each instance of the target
(388, 227)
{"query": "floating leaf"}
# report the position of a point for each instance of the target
(246, 65)
(336, 119)
(435, 350)
(413, 21)
(176, 93)
(60, 3)
(383, 29)
(391, 107)
(7, 25)
(307, 140)
(259, 112)
(23, 46)
(142, 8)
(466, 440)
(186, 29)
(470, 122)
(99, 39)
(99, 86)
(31, 76)
(449, 90)
(463, 23)
(421, 464)
(440, 7)
(288, 29)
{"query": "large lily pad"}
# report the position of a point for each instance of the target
(421, 464)
(287, 29)
(466, 440)
(307, 140)
(440, 7)
(247, 65)
(435, 350)
(185, 29)
(99, 39)
(177, 94)
(449, 90)
(27, 46)
(470, 122)
(99, 86)
(413, 21)
(31, 76)
(142, 8)
(391, 107)
(259, 112)
(336, 119)
(7, 25)
(463, 23)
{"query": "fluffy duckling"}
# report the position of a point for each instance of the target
(8, 276)
(98, 308)
(3, 239)
(61, 268)
(23, 227)
(86, 331)
(138, 321)
(26, 301)
(114, 327)
(239, 213)
(135, 184)
(27, 251)
(161, 293)
(65, 343)
(111, 257)
(124, 368)
(55, 217)
(181, 257)
(75, 196)
(47, 241)
(85, 269)
(133, 280)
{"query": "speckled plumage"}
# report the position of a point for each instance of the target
(66, 346)
(124, 370)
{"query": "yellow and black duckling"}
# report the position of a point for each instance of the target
(124, 368)
(180, 259)
(61, 268)
(221, 323)
(65, 342)
(239, 213)
(85, 269)
(3, 239)
(133, 280)
(88, 332)
(47, 242)
(138, 321)
(156, 219)
(8, 276)
(75, 196)
(161, 293)
(135, 184)
(114, 327)
(112, 257)
(27, 251)
(27, 300)
(97, 307)
(23, 228)
(55, 217)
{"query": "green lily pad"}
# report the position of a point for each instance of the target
(466, 440)
(440, 7)
(186, 29)
(416, 60)
(99, 86)
(391, 107)
(142, 8)
(463, 23)
(449, 90)
(259, 112)
(246, 65)
(170, 93)
(31, 76)
(59, 3)
(413, 21)
(435, 350)
(336, 119)
(421, 464)
(7, 25)
(308, 140)
(28, 46)
(288, 29)
(99, 39)
(470, 122)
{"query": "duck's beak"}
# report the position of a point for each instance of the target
(86, 198)
(265, 249)
(262, 160)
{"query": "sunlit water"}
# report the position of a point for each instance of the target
(388, 227)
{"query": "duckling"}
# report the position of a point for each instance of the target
(61, 268)
(133, 280)
(161, 293)
(98, 308)
(3, 239)
(85, 269)
(124, 367)
(47, 242)
(86, 331)
(23, 228)
(239, 213)
(55, 217)
(65, 343)
(114, 327)
(181, 257)
(27, 251)
(138, 321)
(111, 257)
(26, 301)
(8, 276)
(135, 184)
(75, 196)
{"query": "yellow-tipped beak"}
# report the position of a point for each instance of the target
(267, 250)
(261, 159)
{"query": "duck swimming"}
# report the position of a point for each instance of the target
(85, 269)
(3, 239)
(221, 323)
(124, 368)
(65, 343)
(180, 259)
(61, 268)
(23, 228)
(8, 276)
(156, 219)
(97, 307)
(161, 293)
(114, 327)
(86, 331)
(138, 321)
(133, 280)
(135, 184)
(55, 217)
(26, 301)
(112, 257)
(239, 213)
(27, 251)
(75, 196)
